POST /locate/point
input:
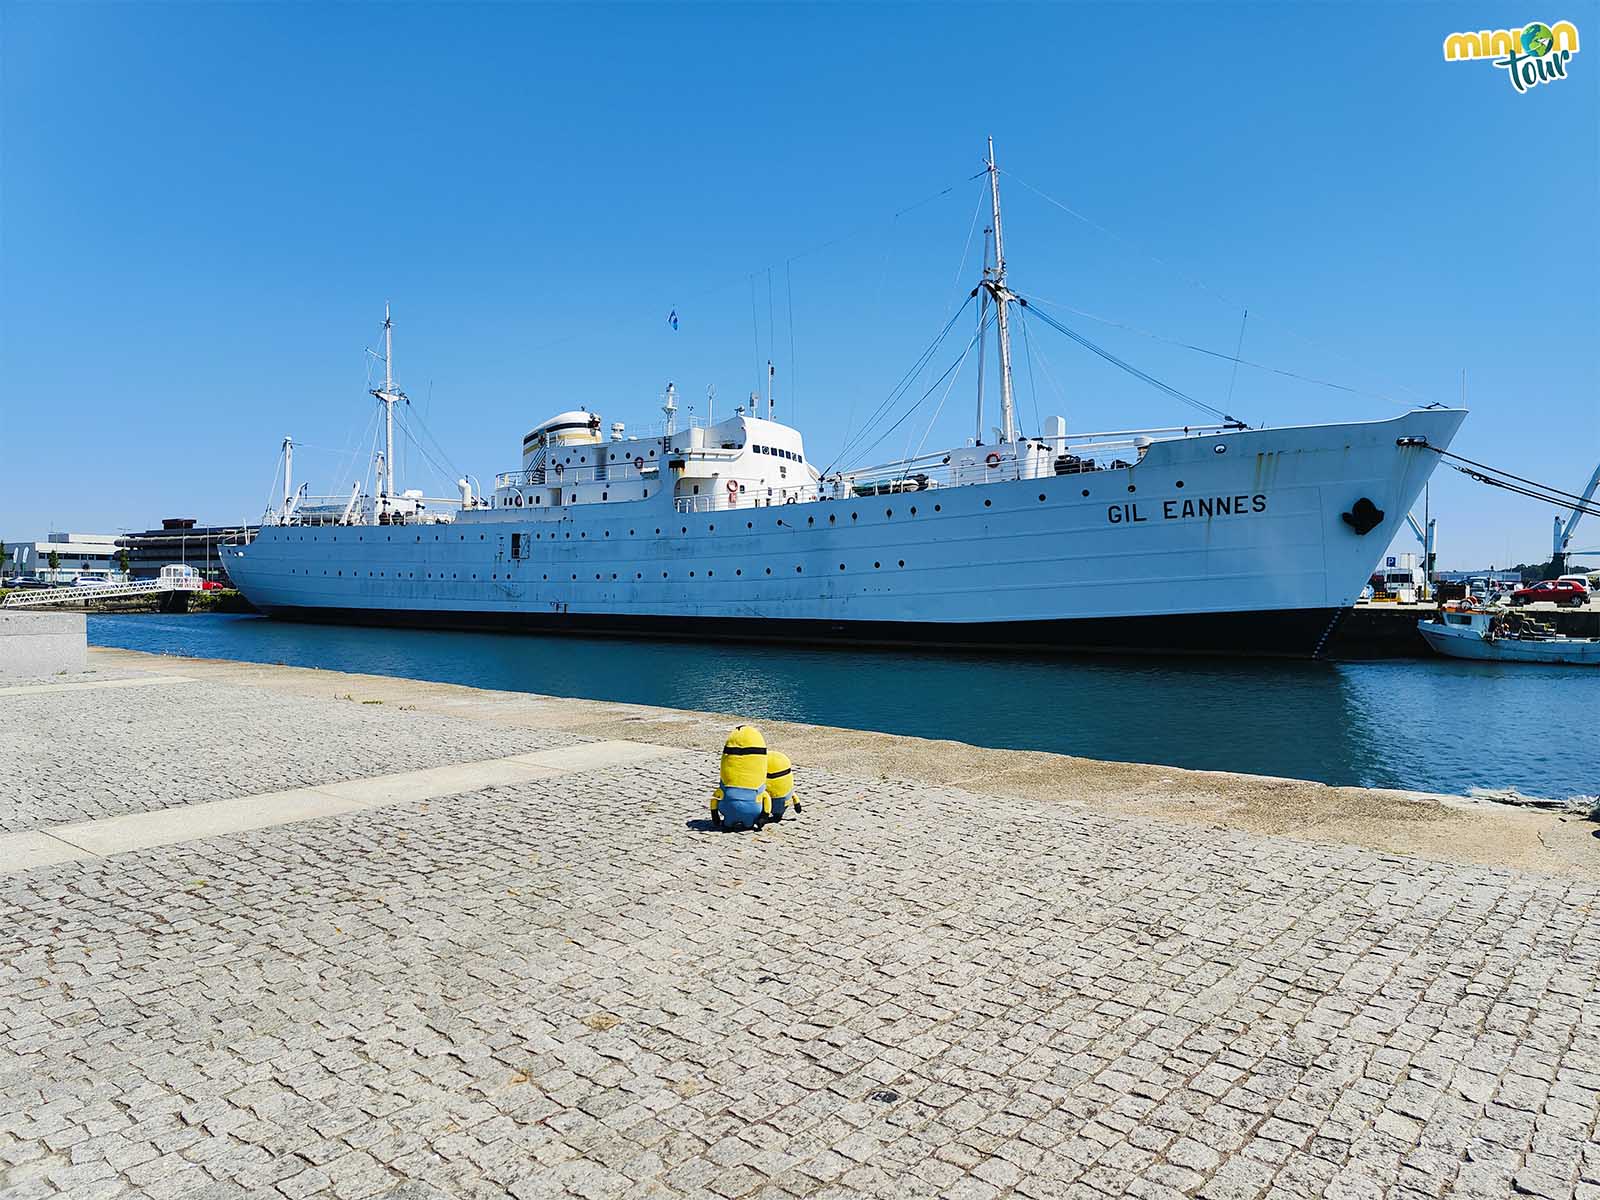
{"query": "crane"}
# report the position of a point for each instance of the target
(1565, 529)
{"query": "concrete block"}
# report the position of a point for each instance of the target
(36, 644)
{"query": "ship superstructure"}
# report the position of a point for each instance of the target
(1205, 538)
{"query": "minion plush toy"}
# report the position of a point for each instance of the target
(780, 785)
(741, 800)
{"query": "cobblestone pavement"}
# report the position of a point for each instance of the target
(75, 755)
(566, 988)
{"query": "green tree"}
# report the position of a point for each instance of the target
(55, 565)
(122, 560)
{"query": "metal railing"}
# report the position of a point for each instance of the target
(565, 476)
(82, 594)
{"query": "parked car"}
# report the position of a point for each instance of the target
(1581, 580)
(1552, 591)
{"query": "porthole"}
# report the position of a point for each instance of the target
(749, 524)
(797, 568)
(902, 562)
(709, 574)
(1180, 484)
(1085, 491)
(1131, 488)
(597, 574)
(888, 512)
(658, 531)
(832, 518)
(853, 516)
(663, 574)
(1041, 497)
(841, 566)
(988, 503)
(613, 574)
(738, 571)
(691, 574)
(1219, 448)
(630, 533)
(545, 577)
(938, 508)
(711, 528)
(769, 571)
(913, 510)
(685, 529)
(811, 520)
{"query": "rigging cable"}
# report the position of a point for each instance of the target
(1532, 488)
(899, 388)
(1233, 358)
(1124, 365)
(1193, 282)
(942, 377)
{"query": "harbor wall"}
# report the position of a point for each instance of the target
(34, 644)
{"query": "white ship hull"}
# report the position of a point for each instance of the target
(1239, 550)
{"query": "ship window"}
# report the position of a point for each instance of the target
(797, 568)
(1180, 484)
(1085, 491)
(1131, 488)
(1041, 497)
(652, 454)
(769, 570)
(988, 503)
(902, 562)
(832, 518)
(841, 566)
(516, 545)
(888, 512)
(709, 574)
(738, 571)
(605, 495)
(876, 566)
(749, 524)
(711, 528)
(697, 489)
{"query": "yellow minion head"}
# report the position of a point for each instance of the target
(780, 775)
(744, 759)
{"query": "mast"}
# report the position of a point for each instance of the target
(996, 287)
(288, 473)
(387, 397)
(983, 318)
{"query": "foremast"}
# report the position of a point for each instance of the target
(387, 395)
(994, 286)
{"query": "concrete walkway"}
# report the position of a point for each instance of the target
(515, 963)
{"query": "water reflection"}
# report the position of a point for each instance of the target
(1438, 725)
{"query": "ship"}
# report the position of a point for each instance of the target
(1213, 538)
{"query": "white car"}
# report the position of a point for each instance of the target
(1581, 580)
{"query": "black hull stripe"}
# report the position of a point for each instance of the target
(1293, 633)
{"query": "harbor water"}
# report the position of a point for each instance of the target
(1438, 726)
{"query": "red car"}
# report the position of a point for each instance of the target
(1552, 591)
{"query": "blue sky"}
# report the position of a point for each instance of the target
(206, 206)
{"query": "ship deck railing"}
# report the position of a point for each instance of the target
(618, 472)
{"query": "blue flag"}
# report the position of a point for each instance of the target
(672, 319)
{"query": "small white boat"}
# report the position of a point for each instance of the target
(1507, 637)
